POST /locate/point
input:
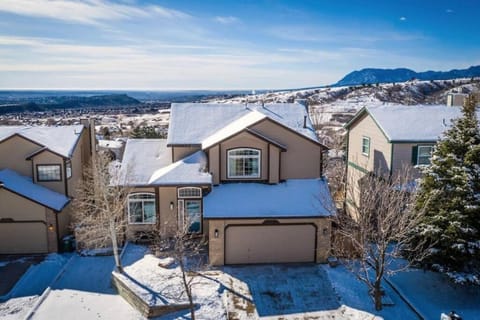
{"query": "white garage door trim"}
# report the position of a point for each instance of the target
(270, 243)
(32, 237)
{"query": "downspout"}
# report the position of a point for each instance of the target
(391, 159)
(346, 173)
(65, 176)
(56, 230)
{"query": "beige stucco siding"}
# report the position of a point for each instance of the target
(302, 158)
(217, 244)
(214, 163)
(379, 157)
(28, 232)
(274, 165)
(49, 158)
(402, 158)
(77, 168)
(168, 218)
(13, 152)
(179, 153)
(243, 140)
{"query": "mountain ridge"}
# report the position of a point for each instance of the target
(377, 75)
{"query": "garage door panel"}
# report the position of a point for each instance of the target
(270, 244)
(28, 237)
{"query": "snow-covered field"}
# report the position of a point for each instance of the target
(83, 291)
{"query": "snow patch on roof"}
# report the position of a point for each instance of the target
(289, 199)
(189, 170)
(414, 123)
(193, 123)
(142, 157)
(61, 139)
(24, 186)
(233, 128)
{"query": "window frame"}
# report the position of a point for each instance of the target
(190, 196)
(419, 156)
(142, 201)
(68, 169)
(365, 138)
(258, 156)
(38, 166)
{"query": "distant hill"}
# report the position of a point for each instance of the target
(68, 102)
(371, 76)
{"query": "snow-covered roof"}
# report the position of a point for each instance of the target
(149, 162)
(110, 144)
(189, 170)
(24, 186)
(61, 139)
(290, 199)
(402, 123)
(200, 123)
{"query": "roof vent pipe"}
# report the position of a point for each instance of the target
(304, 122)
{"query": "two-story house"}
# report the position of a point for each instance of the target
(39, 170)
(385, 139)
(249, 178)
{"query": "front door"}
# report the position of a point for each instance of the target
(190, 215)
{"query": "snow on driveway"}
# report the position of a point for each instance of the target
(432, 293)
(84, 292)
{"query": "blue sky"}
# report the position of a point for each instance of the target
(204, 44)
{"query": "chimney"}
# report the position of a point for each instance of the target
(304, 122)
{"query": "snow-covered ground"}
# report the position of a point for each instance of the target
(83, 291)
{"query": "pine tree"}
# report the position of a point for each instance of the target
(450, 196)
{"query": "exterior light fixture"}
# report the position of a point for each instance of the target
(216, 233)
(172, 205)
(50, 227)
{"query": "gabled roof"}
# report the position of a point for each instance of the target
(293, 198)
(419, 123)
(199, 124)
(60, 140)
(24, 187)
(147, 162)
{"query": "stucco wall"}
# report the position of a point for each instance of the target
(216, 245)
(214, 163)
(302, 159)
(379, 158)
(49, 158)
(77, 165)
(179, 153)
(13, 152)
(243, 140)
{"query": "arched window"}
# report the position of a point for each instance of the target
(190, 192)
(141, 208)
(244, 163)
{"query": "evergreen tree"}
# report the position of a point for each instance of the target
(450, 195)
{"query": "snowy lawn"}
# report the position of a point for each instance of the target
(432, 293)
(30, 286)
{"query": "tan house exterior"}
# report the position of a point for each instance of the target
(248, 178)
(39, 170)
(385, 139)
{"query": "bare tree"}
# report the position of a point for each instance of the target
(373, 234)
(187, 249)
(99, 218)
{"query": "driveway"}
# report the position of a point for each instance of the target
(12, 267)
(287, 289)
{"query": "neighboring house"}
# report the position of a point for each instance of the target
(249, 178)
(39, 170)
(386, 139)
(455, 99)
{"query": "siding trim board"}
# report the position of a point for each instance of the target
(356, 166)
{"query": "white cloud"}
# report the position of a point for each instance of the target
(449, 11)
(226, 20)
(403, 18)
(85, 11)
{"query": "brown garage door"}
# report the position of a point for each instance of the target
(27, 237)
(270, 243)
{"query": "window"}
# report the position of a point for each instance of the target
(49, 172)
(244, 163)
(366, 146)
(141, 208)
(190, 192)
(68, 169)
(190, 215)
(424, 154)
